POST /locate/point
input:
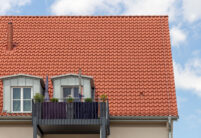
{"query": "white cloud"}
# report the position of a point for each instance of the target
(84, 7)
(176, 9)
(112, 7)
(192, 10)
(10, 5)
(151, 7)
(188, 77)
(178, 36)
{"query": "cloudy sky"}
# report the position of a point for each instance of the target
(185, 30)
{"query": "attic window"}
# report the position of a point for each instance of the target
(21, 99)
(18, 90)
(72, 91)
(72, 85)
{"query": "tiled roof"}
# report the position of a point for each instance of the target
(129, 57)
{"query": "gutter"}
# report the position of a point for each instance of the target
(147, 118)
(112, 118)
(15, 119)
(138, 121)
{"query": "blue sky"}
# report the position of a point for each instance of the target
(185, 30)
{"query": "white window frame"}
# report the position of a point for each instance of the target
(21, 100)
(72, 90)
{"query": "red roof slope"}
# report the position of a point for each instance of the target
(128, 56)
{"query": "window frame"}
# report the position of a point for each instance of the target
(72, 90)
(21, 99)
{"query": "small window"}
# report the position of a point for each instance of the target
(21, 99)
(71, 91)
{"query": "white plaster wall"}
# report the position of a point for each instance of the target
(12, 130)
(127, 130)
(73, 136)
(138, 130)
(118, 130)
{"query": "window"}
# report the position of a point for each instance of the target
(21, 99)
(71, 91)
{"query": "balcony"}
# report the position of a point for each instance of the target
(70, 118)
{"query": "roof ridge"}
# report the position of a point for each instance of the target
(89, 16)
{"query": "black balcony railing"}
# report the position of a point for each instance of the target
(70, 114)
(73, 110)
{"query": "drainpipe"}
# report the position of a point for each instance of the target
(169, 127)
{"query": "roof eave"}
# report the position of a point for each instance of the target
(112, 118)
(17, 75)
(66, 75)
(15, 118)
(144, 117)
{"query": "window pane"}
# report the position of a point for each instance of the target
(67, 92)
(26, 93)
(16, 105)
(16, 93)
(76, 92)
(27, 105)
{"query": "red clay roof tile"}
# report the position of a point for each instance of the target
(128, 56)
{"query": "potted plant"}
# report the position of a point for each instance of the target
(54, 100)
(103, 97)
(70, 99)
(39, 98)
(88, 100)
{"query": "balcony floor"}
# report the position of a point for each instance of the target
(69, 121)
(69, 129)
(69, 126)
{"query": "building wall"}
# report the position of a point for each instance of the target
(18, 82)
(128, 130)
(118, 130)
(16, 130)
(73, 136)
(138, 130)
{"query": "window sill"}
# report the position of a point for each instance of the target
(22, 112)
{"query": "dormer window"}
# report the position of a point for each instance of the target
(69, 84)
(21, 99)
(18, 90)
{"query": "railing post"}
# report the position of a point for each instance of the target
(102, 128)
(39, 111)
(34, 127)
(103, 119)
(108, 117)
(36, 115)
(70, 110)
(34, 119)
(102, 109)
